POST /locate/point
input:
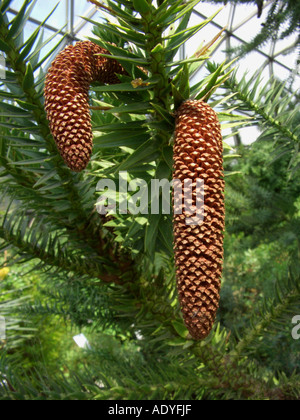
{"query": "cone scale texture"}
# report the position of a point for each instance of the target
(67, 101)
(199, 247)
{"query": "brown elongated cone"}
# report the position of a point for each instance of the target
(199, 246)
(67, 101)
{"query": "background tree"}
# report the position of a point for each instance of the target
(283, 19)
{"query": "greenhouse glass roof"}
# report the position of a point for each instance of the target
(278, 57)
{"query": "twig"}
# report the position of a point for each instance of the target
(206, 47)
(100, 108)
(102, 6)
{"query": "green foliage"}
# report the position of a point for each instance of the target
(283, 19)
(112, 277)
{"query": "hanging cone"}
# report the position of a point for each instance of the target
(67, 101)
(199, 247)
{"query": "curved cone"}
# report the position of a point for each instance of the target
(67, 102)
(199, 246)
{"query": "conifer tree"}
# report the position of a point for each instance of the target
(283, 19)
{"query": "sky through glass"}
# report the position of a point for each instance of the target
(241, 22)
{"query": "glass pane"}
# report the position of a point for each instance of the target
(43, 8)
